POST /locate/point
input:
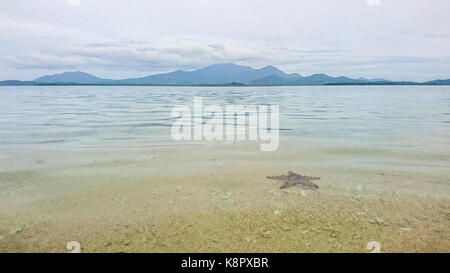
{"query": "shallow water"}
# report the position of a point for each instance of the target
(74, 117)
(91, 163)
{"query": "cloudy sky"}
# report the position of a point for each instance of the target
(393, 39)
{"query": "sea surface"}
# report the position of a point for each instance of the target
(91, 116)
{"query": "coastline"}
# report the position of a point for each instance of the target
(237, 84)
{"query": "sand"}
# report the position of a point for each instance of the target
(216, 198)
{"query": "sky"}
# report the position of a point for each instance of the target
(390, 39)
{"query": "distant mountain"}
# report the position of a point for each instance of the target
(315, 79)
(439, 82)
(228, 74)
(71, 77)
(15, 83)
(372, 80)
(213, 74)
(275, 80)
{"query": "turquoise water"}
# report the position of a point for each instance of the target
(91, 116)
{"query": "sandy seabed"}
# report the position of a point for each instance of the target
(216, 198)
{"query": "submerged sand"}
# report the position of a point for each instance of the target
(216, 198)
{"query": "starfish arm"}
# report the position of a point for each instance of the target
(312, 178)
(281, 177)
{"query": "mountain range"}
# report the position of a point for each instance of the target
(216, 75)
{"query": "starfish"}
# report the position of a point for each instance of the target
(292, 179)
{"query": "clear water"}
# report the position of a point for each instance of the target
(91, 116)
(97, 165)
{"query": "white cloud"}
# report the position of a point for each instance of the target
(133, 55)
(373, 2)
(73, 2)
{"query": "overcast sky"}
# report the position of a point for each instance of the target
(392, 39)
